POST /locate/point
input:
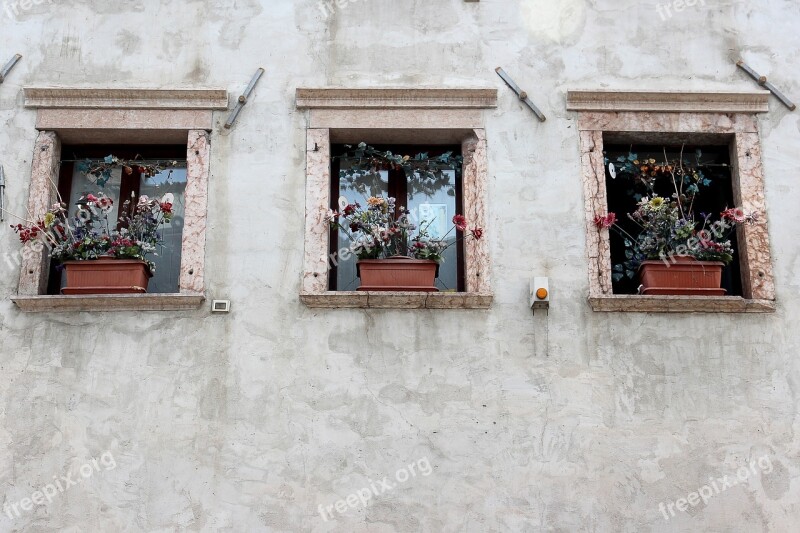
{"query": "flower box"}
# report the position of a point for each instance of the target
(398, 274)
(106, 275)
(681, 276)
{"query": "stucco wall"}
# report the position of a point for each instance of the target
(566, 421)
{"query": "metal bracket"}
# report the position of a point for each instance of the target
(762, 80)
(243, 98)
(8, 66)
(2, 193)
(522, 94)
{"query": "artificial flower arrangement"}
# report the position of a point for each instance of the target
(88, 234)
(101, 171)
(380, 230)
(396, 252)
(425, 174)
(669, 226)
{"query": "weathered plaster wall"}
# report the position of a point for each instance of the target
(569, 421)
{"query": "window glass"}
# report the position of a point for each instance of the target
(168, 260)
(376, 184)
(83, 185)
(437, 207)
(434, 202)
(172, 181)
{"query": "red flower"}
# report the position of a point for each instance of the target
(28, 234)
(460, 222)
(477, 233)
(166, 207)
(349, 210)
(736, 214)
(606, 221)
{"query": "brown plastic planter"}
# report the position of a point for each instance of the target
(398, 274)
(106, 276)
(682, 276)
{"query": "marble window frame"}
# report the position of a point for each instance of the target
(121, 116)
(442, 116)
(666, 116)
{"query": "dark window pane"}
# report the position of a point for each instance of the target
(712, 198)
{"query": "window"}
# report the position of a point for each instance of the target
(93, 123)
(724, 126)
(404, 118)
(437, 201)
(73, 184)
(713, 195)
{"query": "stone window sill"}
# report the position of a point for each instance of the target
(397, 300)
(631, 303)
(108, 302)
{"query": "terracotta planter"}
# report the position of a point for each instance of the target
(106, 276)
(682, 276)
(398, 274)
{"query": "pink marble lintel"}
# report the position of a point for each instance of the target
(389, 97)
(125, 98)
(672, 101)
(705, 123)
(124, 119)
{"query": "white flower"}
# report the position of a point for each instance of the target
(331, 216)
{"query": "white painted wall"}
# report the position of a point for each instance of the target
(570, 421)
